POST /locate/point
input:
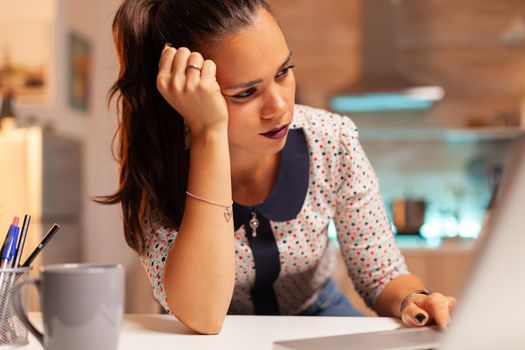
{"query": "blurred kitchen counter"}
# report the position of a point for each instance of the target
(441, 264)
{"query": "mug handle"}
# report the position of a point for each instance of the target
(19, 309)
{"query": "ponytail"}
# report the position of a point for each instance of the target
(149, 141)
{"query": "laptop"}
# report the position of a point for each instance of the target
(490, 312)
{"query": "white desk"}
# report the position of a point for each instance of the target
(159, 332)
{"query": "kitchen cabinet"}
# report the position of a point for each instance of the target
(447, 135)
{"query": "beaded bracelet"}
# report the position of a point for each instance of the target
(405, 299)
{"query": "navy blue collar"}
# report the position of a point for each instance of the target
(289, 191)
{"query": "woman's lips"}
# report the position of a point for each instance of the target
(277, 133)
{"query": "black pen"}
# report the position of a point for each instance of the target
(21, 241)
(42, 244)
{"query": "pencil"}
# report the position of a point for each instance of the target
(42, 244)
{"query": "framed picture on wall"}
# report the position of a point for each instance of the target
(25, 56)
(79, 72)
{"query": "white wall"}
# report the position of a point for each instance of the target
(104, 240)
(103, 237)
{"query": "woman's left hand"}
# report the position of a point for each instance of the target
(423, 309)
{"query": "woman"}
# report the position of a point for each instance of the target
(227, 186)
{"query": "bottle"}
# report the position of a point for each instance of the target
(7, 113)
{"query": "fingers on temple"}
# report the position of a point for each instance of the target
(178, 68)
(209, 70)
(165, 64)
(193, 70)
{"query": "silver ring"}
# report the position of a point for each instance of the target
(193, 66)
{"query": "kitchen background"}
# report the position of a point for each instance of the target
(435, 87)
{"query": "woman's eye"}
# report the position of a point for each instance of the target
(284, 71)
(245, 93)
(249, 92)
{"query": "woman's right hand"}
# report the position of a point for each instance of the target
(194, 93)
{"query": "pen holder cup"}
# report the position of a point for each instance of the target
(13, 333)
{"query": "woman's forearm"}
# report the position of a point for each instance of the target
(389, 301)
(200, 270)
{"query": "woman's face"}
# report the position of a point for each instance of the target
(256, 79)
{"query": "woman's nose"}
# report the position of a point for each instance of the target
(275, 104)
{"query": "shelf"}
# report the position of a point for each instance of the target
(440, 134)
(418, 244)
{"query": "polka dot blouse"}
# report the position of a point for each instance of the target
(324, 176)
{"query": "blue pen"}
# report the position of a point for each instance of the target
(10, 247)
(15, 223)
(12, 255)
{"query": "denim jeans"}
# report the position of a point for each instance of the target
(331, 301)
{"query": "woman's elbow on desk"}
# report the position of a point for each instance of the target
(201, 309)
(203, 324)
(203, 313)
(199, 316)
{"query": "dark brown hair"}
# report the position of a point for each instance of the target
(150, 136)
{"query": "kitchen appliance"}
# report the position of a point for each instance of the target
(383, 84)
(409, 215)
